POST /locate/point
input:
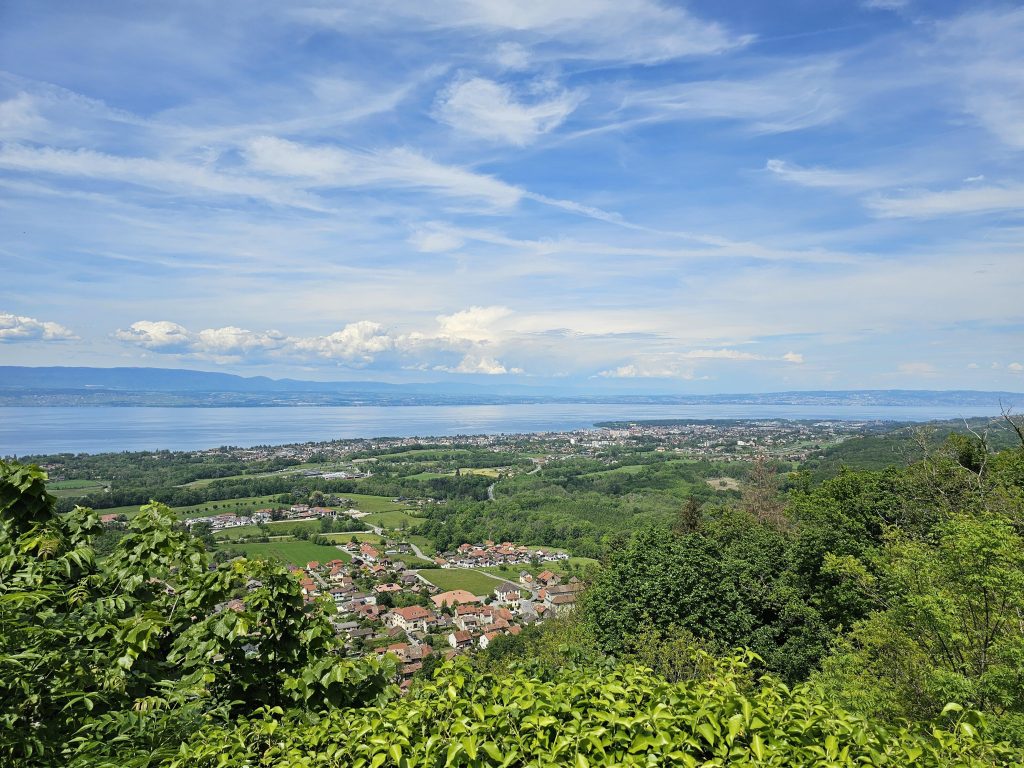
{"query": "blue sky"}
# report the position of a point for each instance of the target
(618, 194)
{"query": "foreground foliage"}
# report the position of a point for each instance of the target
(117, 662)
(622, 717)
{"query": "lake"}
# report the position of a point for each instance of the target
(43, 430)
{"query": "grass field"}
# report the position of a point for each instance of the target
(426, 545)
(460, 578)
(365, 503)
(75, 488)
(485, 471)
(295, 552)
(392, 519)
(511, 572)
(341, 538)
(237, 506)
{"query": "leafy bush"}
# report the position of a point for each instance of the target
(625, 717)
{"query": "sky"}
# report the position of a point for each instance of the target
(641, 195)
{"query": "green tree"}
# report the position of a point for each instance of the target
(947, 626)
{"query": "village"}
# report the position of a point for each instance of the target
(385, 606)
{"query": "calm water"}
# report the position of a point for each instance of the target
(25, 431)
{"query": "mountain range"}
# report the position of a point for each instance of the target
(59, 385)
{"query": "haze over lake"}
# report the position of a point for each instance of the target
(30, 431)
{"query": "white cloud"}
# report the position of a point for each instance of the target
(481, 364)
(435, 239)
(358, 342)
(20, 328)
(476, 324)
(885, 5)
(1015, 367)
(167, 175)
(19, 117)
(158, 335)
(489, 110)
(825, 178)
(679, 365)
(637, 31)
(231, 341)
(512, 56)
(648, 370)
(784, 100)
(330, 166)
(917, 369)
(968, 200)
(978, 54)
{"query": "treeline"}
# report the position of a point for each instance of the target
(299, 487)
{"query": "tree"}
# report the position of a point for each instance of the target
(948, 625)
(130, 656)
(761, 494)
(661, 580)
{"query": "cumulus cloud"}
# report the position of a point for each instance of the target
(467, 333)
(358, 342)
(232, 341)
(481, 364)
(21, 328)
(1015, 367)
(158, 335)
(476, 324)
(490, 110)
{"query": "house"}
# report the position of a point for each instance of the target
(461, 639)
(561, 598)
(409, 619)
(487, 637)
(548, 579)
(368, 553)
(454, 597)
(507, 593)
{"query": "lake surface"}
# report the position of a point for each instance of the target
(27, 430)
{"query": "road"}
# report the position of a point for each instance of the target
(490, 488)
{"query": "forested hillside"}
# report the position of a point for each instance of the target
(872, 619)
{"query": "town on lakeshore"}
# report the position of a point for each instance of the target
(367, 526)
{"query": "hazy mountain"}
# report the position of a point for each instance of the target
(164, 386)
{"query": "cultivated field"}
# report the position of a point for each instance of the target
(460, 578)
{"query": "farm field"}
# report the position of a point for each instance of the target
(229, 506)
(562, 567)
(276, 528)
(340, 538)
(392, 519)
(426, 545)
(460, 578)
(74, 488)
(366, 503)
(294, 552)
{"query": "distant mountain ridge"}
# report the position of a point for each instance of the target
(59, 385)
